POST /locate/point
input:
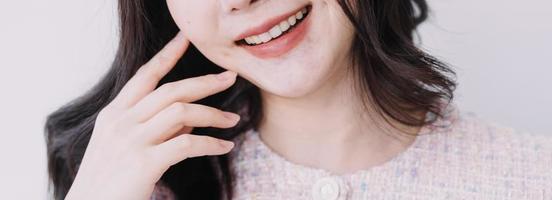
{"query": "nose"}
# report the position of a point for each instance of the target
(230, 6)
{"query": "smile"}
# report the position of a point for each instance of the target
(277, 36)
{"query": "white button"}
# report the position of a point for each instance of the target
(326, 188)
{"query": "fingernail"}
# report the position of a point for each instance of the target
(231, 116)
(226, 144)
(225, 75)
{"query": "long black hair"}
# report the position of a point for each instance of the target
(395, 76)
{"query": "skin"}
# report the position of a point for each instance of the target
(303, 92)
(149, 130)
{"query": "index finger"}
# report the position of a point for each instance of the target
(148, 75)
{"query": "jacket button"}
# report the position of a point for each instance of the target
(326, 188)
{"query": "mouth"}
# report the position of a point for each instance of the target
(278, 35)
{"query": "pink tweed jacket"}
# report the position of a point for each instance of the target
(460, 156)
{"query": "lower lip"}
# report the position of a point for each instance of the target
(282, 44)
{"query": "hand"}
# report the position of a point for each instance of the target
(144, 130)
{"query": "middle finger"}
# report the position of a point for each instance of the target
(186, 90)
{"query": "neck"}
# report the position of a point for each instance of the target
(330, 129)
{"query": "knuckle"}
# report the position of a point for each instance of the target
(147, 74)
(168, 88)
(153, 76)
(186, 143)
(141, 76)
(180, 108)
(164, 57)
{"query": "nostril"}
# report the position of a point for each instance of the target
(235, 5)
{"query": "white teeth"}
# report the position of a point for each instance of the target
(299, 15)
(277, 30)
(265, 37)
(292, 20)
(284, 26)
(257, 40)
(249, 40)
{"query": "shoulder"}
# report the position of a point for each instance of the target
(503, 144)
(162, 191)
(467, 133)
(495, 156)
(478, 156)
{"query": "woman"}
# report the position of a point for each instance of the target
(333, 101)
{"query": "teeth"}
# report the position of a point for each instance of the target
(277, 30)
(299, 15)
(284, 26)
(292, 20)
(257, 40)
(249, 40)
(265, 37)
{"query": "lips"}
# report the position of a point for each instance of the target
(266, 26)
(282, 43)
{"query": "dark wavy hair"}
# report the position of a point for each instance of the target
(395, 76)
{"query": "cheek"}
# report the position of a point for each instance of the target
(196, 19)
(199, 21)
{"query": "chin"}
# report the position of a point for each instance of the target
(296, 80)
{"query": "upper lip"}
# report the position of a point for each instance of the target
(267, 25)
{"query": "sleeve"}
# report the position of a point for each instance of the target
(162, 192)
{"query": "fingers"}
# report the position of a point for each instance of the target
(148, 76)
(186, 90)
(187, 146)
(179, 115)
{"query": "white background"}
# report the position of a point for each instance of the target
(53, 51)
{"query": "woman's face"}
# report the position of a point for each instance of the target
(286, 47)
